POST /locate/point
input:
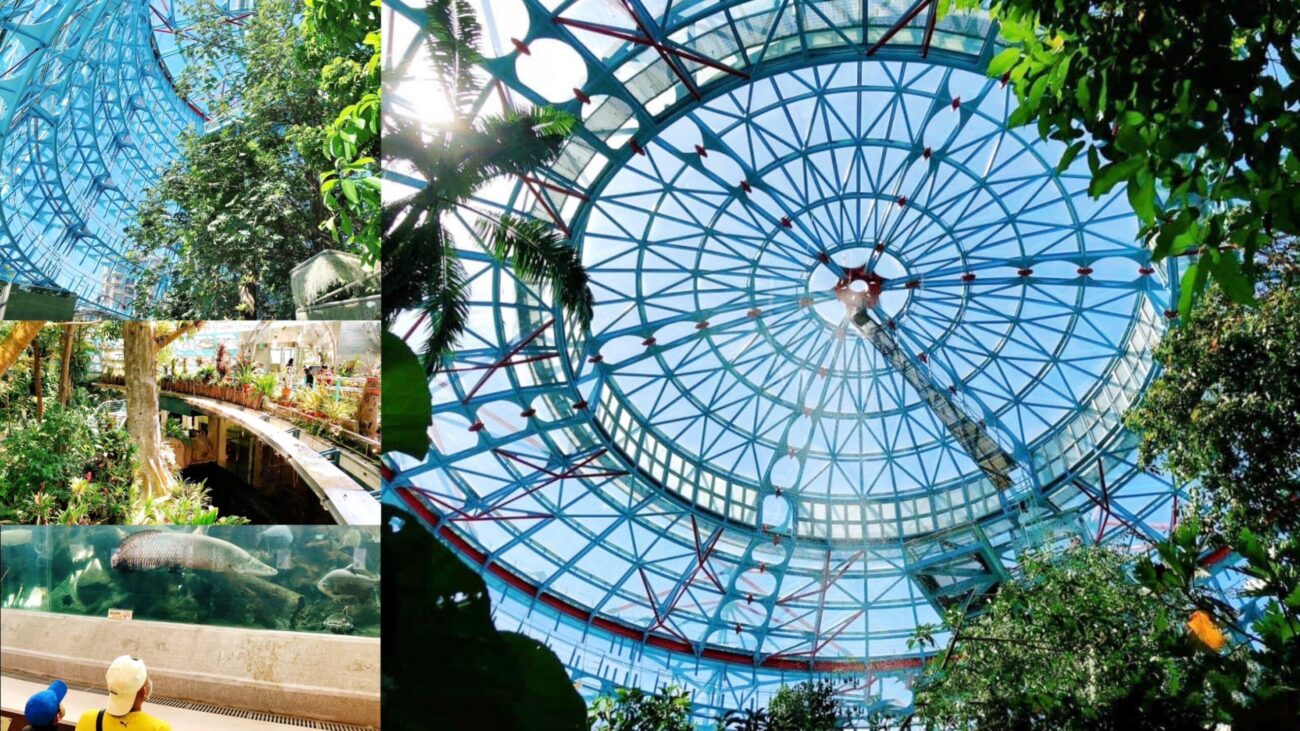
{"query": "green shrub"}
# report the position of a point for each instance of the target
(40, 462)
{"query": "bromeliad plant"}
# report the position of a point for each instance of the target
(421, 267)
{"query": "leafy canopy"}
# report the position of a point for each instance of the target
(632, 709)
(1193, 105)
(1069, 644)
(227, 222)
(1226, 409)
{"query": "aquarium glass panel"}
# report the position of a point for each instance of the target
(298, 578)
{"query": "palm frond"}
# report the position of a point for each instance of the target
(540, 255)
(452, 34)
(516, 142)
(447, 308)
(412, 248)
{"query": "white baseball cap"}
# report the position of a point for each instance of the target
(126, 676)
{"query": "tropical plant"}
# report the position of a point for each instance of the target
(42, 461)
(632, 709)
(222, 364)
(187, 504)
(407, 407)
(172, 429)
(350, 188)
(1255, 663)
(808, 706)
(421, 266)
(484, 678)
(207, 373)
(337, 409)
(267, 384)
(1191, 104)
(1071, 643)
(245, 371)
(310, 398)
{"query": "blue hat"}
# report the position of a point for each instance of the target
(43, 708)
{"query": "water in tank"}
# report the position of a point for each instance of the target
(302, 578)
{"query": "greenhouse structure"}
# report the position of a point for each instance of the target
(857, 345)
(89, 117)
(95, 106)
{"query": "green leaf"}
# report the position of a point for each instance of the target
(1190, 287)
(1003, 62)
(407, 406)
(1227, 273)
(1069, 155)
(1111, 175)
(349, 189)
(1142, 196)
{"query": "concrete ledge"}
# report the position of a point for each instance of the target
(320, 676)
(14, 693)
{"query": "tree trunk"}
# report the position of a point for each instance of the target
(19, 338)
(36, 381)
(248, 298)
(140, 352)
(368, 409)
(65, 369)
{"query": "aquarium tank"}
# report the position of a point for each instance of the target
(300, 578)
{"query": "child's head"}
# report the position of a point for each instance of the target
(46, 707)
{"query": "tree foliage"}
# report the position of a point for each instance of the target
(452, 668)
(1256, 682)
(808, 706)
(1192, 105)
(349, 29)
(241, 206)
(1069, 644)
(632, 709)
(422, 267)
(1225, 411)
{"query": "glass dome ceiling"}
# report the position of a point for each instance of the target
(857, 344)
(89, 116)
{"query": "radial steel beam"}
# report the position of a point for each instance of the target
(973, 436)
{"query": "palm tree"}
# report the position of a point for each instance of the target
(421, 266)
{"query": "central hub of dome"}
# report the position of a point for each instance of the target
(858, 276)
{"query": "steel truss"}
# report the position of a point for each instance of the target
(723, 484)
(89, 117)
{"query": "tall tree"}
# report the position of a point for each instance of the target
(349, 30)
(65, 364)
(141, 341)
(241, 207)
(421, 267)
(1192, 104)
(1069, 644)
(1225, 412)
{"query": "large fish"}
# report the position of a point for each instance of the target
(156, 549)
(344, 584)
(277, 536)
(15, 536)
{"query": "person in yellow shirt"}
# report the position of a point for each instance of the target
(129, 687)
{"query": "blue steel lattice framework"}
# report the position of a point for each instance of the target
(89, 117)
(856, 345)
